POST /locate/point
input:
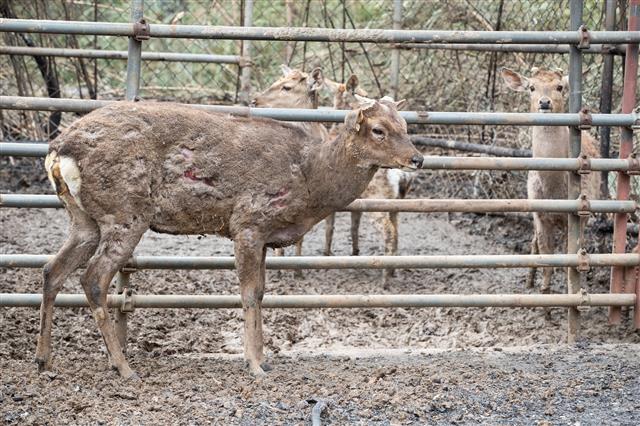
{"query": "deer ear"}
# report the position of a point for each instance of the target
(400, 103)
(353, 119)
(352, 83)
(514, 80)
(565, 81)
(317, 79)
(364, 102)
(285, 70)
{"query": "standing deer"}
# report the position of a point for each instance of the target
(295, 89)
(547, 90)
(171, 168)
(386, 183)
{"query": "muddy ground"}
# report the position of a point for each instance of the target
(381, 366)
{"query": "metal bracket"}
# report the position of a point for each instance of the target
(584, 210)
(634, 164)
(636, 119)
(141, 30)
(583, 261)
(127, 301)
(585, 301)
(586, 120)
(585, 165)
(585, 37)
(128, 270)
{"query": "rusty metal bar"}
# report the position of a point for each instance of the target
(337, 116)
(521, 48)
(120, 317)
(318, 34)
(626, 146)
(573, 178)
(395, 53)
(134, 53)
(354, 262)
(430, 162)
(121, 54)
(405, 205)
(335, 301)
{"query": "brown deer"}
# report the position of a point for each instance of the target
(547, 92)
(295, 89)
(386, 183)
(130, 167)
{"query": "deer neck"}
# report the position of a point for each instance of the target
(550, 141)
(335, 175)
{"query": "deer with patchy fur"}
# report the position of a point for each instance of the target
(130, 167)
(547, 92)
(295, 89)
(386, 183)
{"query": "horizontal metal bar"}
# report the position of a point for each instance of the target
(122, 54)
(353, 262)
(430, 162)
(318, 34)
(406, 205)
(334, 301)
(522, 48)
(337, 116)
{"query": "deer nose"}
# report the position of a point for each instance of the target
(545, 103)
(417, 160)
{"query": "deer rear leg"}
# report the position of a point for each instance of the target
(250, 256)
(80, 245)
(117, 243)
(298, 272)
(531, 277)
(390, 227)
(355, 227)
(545, 236)
(329, 223)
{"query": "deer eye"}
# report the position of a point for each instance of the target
(559, 88)
(377, 131)
(533, 89)
(286, 88)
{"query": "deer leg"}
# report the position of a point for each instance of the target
(80, 245)
(328, 233)
(298, 272)
(355, 226)
(545, 234)
(117, 243)
(531, 278)
(250, 256)
(390, 224)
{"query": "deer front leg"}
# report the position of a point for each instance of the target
(531, 278)
(250, 254)
(355, 227)
(328, 233)
(298, 272)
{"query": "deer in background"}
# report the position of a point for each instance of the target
(547, 92)
(295, 89)
(386, 183)
(133, 166)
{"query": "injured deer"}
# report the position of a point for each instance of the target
(130, 167)
(547, 92)
(386, 183)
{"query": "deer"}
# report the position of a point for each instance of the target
(295, 89)
(547, 94)
(386, 183)
(130, 167)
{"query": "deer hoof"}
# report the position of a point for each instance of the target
(545, 290)
(298, 275)
(43, 365)
(133, 377)
(355, 252)
(266, 366)
(328, 253)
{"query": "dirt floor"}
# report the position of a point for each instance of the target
(380, 366)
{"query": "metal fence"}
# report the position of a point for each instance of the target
(625, 266)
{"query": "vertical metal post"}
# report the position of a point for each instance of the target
(245, 75)
(606, 90)
(626, 146)
(575, 104)
(135, 53)
(395, 53)
(120, 317)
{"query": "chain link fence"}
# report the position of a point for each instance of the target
(430, 79)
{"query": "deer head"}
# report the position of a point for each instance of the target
(295, 89)
(547, 88)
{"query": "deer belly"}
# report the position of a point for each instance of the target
(287, 235)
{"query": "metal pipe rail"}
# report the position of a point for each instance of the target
(29, 149)
(406, 205)
(123, 54)
(318, 34)
(520, 48)
(356, 262)
(16, 300)
(337, 116)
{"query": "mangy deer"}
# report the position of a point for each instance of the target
(295, 89)
(386, 183)
(171, 168)
(547, 90)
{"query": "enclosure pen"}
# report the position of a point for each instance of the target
(625, 275)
